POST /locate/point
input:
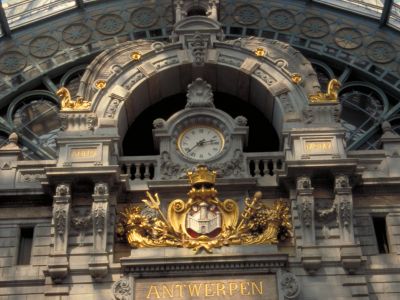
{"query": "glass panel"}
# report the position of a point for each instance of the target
(362, 108)
(38, 121)
(394, 18)
(26, 11)
(371, 8)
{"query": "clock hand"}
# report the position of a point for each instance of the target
(201, 142)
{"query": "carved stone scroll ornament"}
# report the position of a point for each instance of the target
(203, 221)
(99, 217)
(198, 47)
(234, 166)
(60, 219)
(122, 289)
(169, 169)
(199, 94)
(289, 285)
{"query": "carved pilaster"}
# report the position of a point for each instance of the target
(344, 205)
(58, 265)
(305, 204)
(98, 266)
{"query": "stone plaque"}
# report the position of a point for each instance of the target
(318, 147)
(87, 154)
(254, 287)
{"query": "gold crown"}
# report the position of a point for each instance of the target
(202, 175)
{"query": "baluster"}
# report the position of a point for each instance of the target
(128, 170)
(257, 168)
(137, 171)
(146, 174)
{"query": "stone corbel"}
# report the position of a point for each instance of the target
(98, 265)
(351, 257)
(58, 265)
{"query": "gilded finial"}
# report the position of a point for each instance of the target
(68, 104)
(296, 78)
(331, 95)
(136, 55)
(260, 52)
(100, 84)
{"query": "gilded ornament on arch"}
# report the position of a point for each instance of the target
(331, 95)
(203, 221)
(296, 78)
(136, 55)
(100, 84)
(260, 52)
(69, 104)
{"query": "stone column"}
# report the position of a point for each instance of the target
(305, 204)
(58, 265)
(98, 265)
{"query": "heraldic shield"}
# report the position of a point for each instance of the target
(203, 221)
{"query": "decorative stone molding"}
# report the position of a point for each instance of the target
(122, 289)
(311, 259)
(322, 113)
(305, 204)
(73, 121)
(98, 265)
(289, 285)
(344, 206)
(58, 264)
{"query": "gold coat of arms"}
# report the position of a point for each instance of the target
(203, 221)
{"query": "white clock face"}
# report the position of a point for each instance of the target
(201, 143)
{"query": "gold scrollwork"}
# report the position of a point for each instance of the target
(331, 96)
(203, 221)
(68, 104)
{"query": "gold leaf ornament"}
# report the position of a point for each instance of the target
(203, 221)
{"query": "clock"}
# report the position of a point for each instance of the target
(200, 142)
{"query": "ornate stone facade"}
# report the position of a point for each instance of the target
(344, 211)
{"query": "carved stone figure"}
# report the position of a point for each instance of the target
(101, 189)
(62, 190)
(289, 285)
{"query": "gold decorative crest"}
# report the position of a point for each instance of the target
(331, 95)
(203, 221)
(68, 104)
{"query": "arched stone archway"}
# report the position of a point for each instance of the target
(232, 67)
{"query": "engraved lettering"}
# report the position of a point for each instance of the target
(320, 146)
(233, 286)
(220, 289)
(255, 287)
(244, 288)
(165, 291)
(83, 153)
(153, 291)
(194, 289)
(208, 290)
(180, 289)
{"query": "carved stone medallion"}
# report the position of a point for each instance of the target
(314, 27)
(110, 24)
(144, 17)
(247, 14)
(281, 19)
(76, 34)
(43, 46)
(12, 62)
(348, 38)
